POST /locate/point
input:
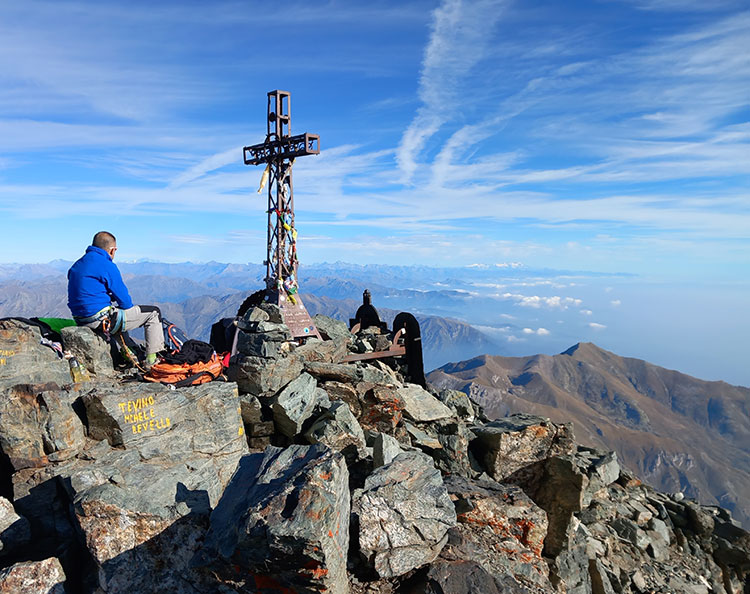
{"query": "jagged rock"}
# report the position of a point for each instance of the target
(600, 583)
(378, 372)
(143, 518)
(273, 313)
(23, 360)
(296, 403)
(14, 529)
(38, 425)
(339, 430)
(250, 409)
(404, 515)
(382, 408)
(268, 345)
(570, 568)
(384, 449)
(33, 577)
(283, 522)
(323, 351)
(264, 377)
(159, 421)
(451, 452)
(345, 393)
(701, 522)
(500, 528)
(629, 532)
(257, 314)
(337, 372)
(458, 576)
(332, 329)
(459, 403)
(91, 350)
(560, 494)
(514, 443)
(421, 406)
(421, 439)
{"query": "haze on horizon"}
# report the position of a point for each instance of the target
(605, 137)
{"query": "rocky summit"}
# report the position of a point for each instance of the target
(305, 474)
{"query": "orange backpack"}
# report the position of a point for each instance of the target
(196, 363)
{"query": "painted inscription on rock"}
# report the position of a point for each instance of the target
(141, 415)
(4, 355)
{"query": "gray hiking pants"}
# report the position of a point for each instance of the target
(147, 316)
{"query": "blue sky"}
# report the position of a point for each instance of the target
(606, 136)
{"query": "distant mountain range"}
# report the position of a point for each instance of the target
(210, 293)
(676, 432)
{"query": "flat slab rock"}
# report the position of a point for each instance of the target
(161, 422)
(421, 406)
(404, 515)
(282, 524)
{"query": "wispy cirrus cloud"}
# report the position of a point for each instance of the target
(459, 40)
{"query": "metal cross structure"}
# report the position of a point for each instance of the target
(278, 153)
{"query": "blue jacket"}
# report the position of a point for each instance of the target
(93, 282)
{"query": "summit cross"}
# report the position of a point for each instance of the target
(278, 152)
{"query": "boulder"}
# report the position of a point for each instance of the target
(337, 372)
(14, 529)
(512, 444)
(382, 408)
(459, 403)
(323, 351)
(463, 575)
(296, 403)
(33, 577)
(38, 425)
(142, 520)
(263, 377)
(282, 523)
(268, 345)
(332, 329)
(384, 449)
(339, 430)
(421, 406)
(404, 514)
(162, 422)
(91, 350)
(447, 441)
(500, 528)
(346, 393)
(24, 360)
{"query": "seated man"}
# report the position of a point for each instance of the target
(94, 282)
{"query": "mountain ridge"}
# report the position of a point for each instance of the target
(678, 432)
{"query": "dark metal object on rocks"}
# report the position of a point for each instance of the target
(367, 316)
(278, 152)
(406, 341)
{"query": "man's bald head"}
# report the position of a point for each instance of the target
(104, 240)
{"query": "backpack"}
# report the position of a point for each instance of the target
(195, 363)
(174, 337)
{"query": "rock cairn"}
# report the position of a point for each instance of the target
(304, 474)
